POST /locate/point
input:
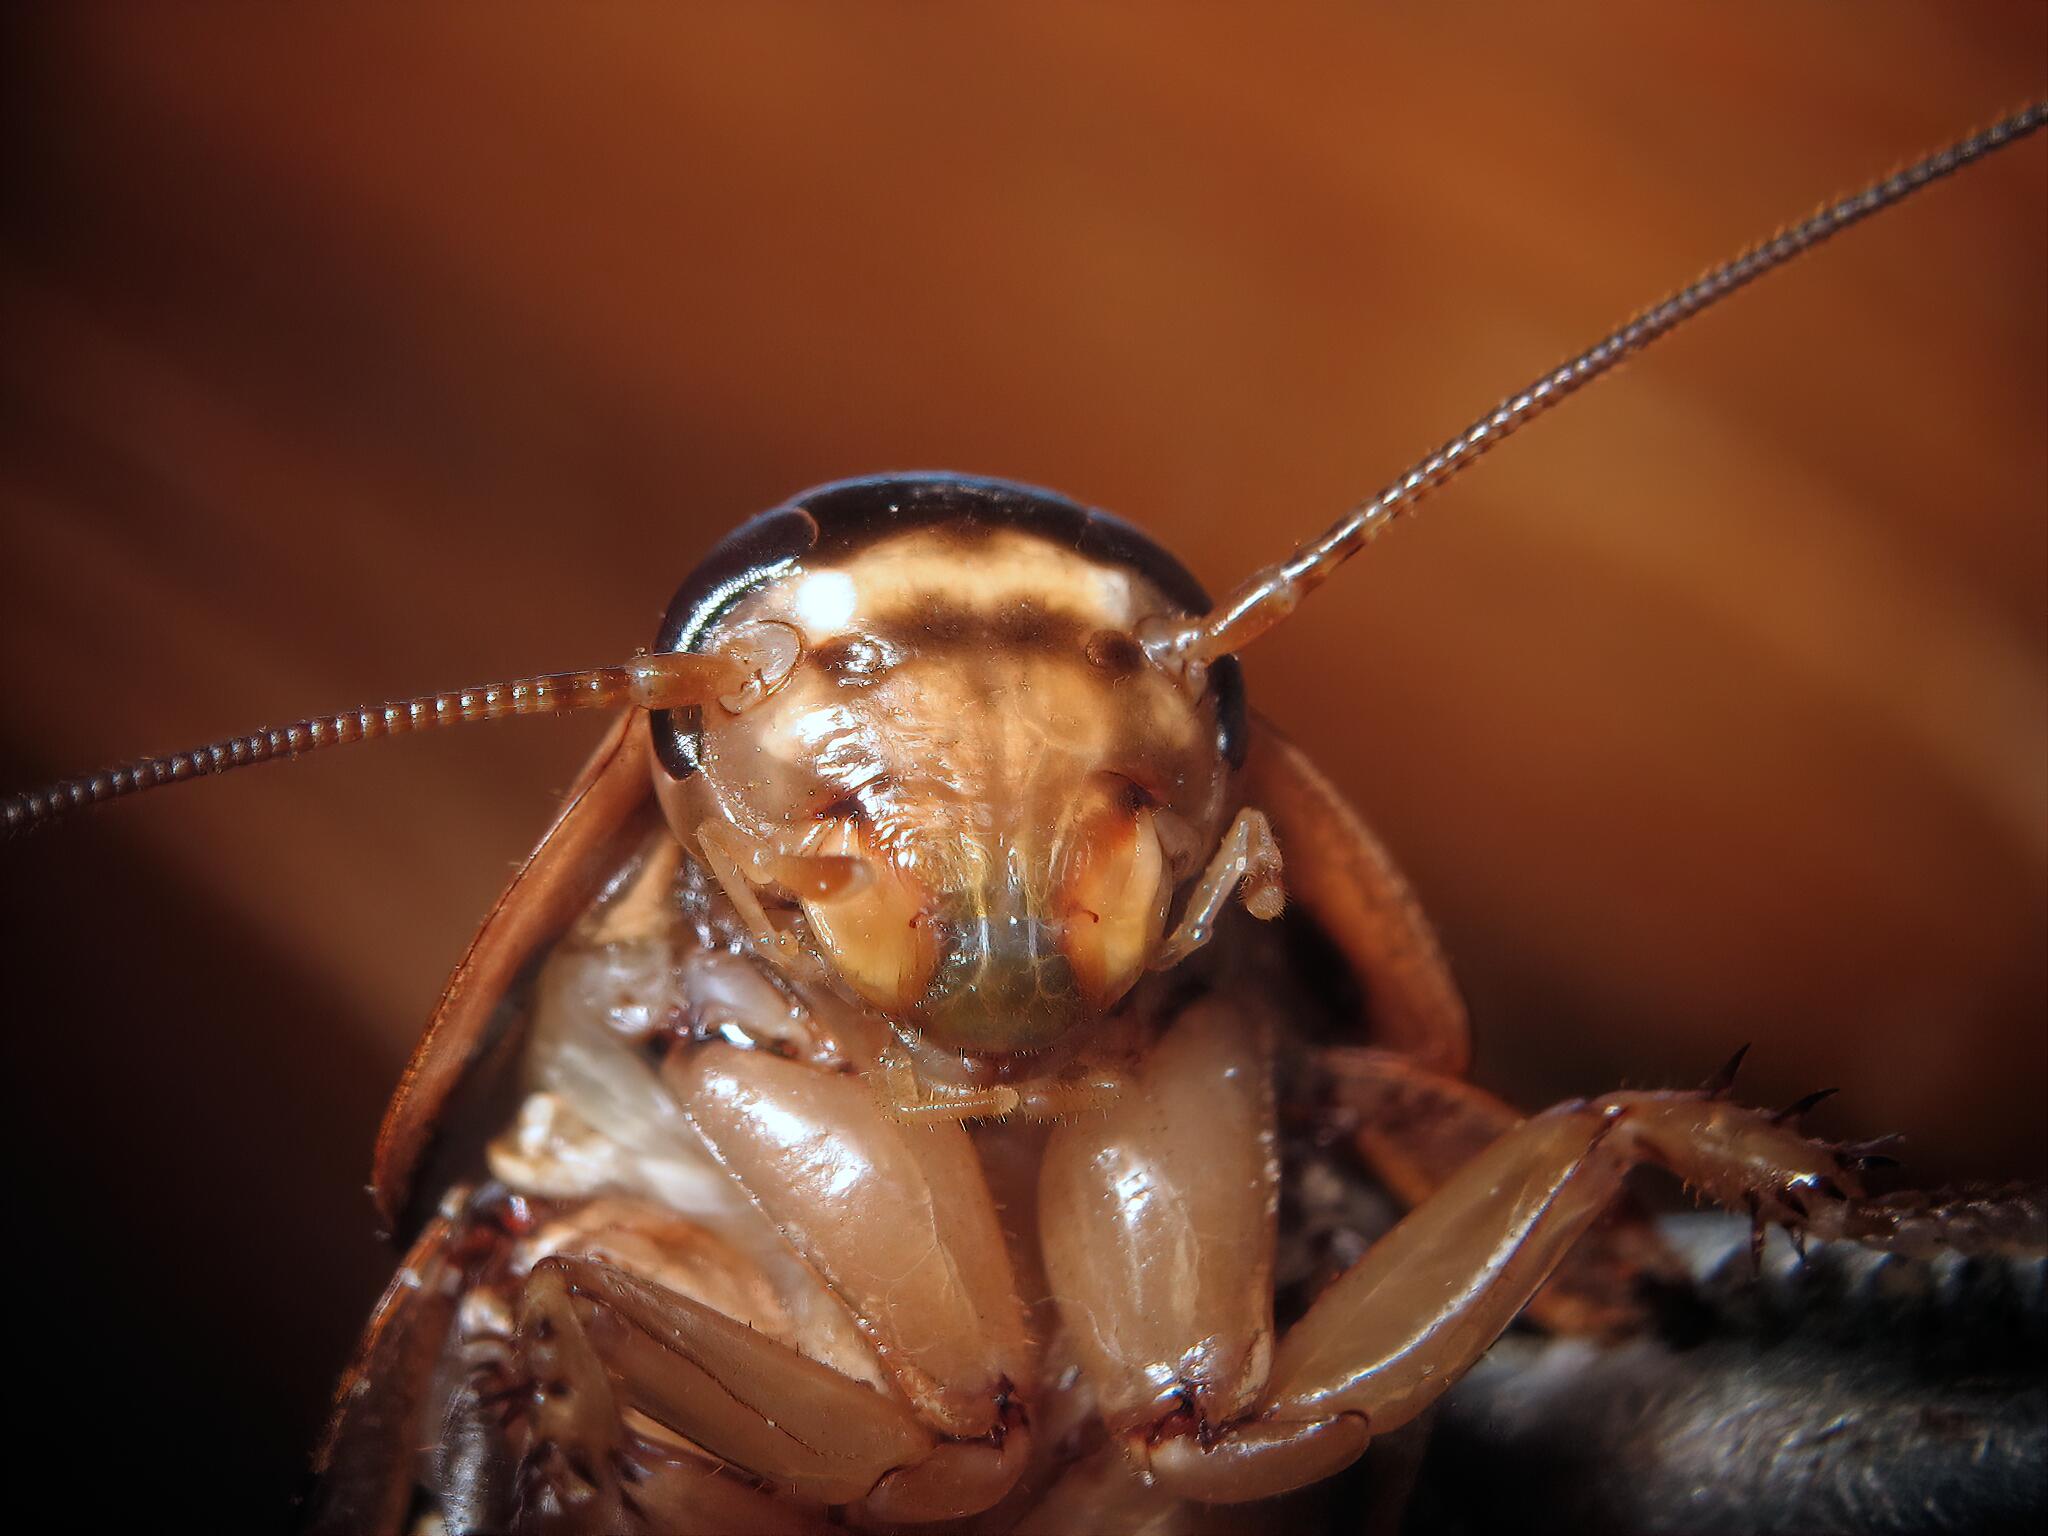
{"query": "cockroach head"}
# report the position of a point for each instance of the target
(964, 740)
(953, 772)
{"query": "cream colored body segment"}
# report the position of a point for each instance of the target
(778, 1248)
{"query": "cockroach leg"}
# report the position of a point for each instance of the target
(896, 1218)
(1415, 1126)
(958, 1478)
(1158, 1221)
(816, 1435)
(1412, 1316)
(688, 1496)
(745, 1248)
(2007, 1219)
(1249, 857)
(571, 1416)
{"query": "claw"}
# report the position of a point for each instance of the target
(1874, 1153)
(1799, 1107)
(1717, 1086)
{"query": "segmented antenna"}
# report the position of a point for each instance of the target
(1269, 595)
(651, 682)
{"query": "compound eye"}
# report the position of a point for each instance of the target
(876, 931)
(1115, 894)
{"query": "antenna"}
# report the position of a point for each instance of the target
(1266, 597)
(672, 681)
(679, 680)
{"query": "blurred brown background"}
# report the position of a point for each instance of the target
(348, 356)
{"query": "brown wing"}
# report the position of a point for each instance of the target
(363, 1473)
(1417, 1121)
(605, 814)
(1339, 871)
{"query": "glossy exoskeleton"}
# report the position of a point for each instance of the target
(845, 1116)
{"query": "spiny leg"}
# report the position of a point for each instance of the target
(1412, 1316)
(1247, 856)
(898, 1223)
(2007, 1219)
(1415, 1127)
(595, 1340)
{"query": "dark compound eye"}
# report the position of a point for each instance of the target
(1114, 652)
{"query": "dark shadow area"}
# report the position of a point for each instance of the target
(191, 1127)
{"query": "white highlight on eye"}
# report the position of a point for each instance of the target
(824, 603)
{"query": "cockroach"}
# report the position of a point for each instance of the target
(866, 1107)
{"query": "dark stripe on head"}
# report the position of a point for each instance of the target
(835, 521)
